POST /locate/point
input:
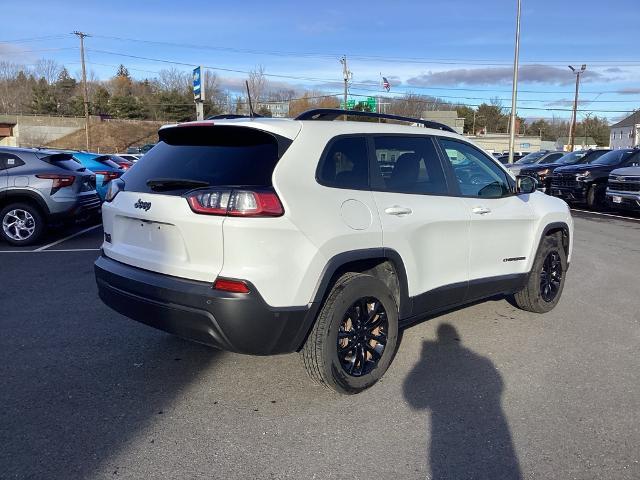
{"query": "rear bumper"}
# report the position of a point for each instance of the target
(84, 206)
(241, 323)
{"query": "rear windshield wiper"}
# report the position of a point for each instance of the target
(159, 184)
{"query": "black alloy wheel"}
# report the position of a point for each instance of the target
(551, 276)
(362, 336)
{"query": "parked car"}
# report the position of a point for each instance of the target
(504, 159)
(543, 171)
(122, 162)
(141, 150)
(105, 169)
(543, 156)
(39, 188)
(623, 189)
(133, 158)
(587, 183)
(321, 252)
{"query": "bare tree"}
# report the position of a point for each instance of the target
(257, 84)
(47, 69)
(175, 80)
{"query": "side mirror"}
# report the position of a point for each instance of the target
(526, 184)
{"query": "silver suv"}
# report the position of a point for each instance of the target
(39, 188)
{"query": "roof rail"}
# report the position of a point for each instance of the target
(333, 113)
(224, 116)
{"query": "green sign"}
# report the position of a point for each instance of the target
(370, 103)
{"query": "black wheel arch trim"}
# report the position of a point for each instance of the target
(337, 262)
(555, 226)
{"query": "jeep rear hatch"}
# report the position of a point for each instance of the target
(165, 219)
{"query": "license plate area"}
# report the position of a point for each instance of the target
(616, 199)
(149, 239)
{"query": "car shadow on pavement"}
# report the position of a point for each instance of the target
(462, 390)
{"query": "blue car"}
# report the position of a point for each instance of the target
(104, 168)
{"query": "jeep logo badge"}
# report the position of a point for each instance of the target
(143, 205)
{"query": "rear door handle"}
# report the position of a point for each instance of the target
(397, 210)
(481, 210)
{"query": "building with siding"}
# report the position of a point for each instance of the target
(625, 133)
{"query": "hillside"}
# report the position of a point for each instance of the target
(111, 136)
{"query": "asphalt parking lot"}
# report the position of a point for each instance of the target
(483, 392)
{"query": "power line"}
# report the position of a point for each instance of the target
(35, 39)
(337, 82)
(504, 99)
(22, 52)
(439, 61)
(293, 77)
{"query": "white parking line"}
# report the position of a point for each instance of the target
(54, 250)
(605, 214)
(67, 238)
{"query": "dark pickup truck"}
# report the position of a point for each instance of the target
(543, 171)
(587, 183)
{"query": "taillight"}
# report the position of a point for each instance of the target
(236, 203)
(124, 165)
(108, 175)
(235, 286)
(113, 189)
(59, 181)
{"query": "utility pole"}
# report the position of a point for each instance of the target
(574, 116)
(347, 76)
(85, 91)
(514, 91)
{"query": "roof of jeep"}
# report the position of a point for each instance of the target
(290, 128)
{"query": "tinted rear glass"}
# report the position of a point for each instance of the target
(63, 160)
(221, 155)
(106, 160)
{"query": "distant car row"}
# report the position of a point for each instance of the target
(43, 187)
(595, 178)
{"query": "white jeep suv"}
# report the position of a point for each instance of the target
(267, 236)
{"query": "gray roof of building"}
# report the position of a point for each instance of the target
(630, 121)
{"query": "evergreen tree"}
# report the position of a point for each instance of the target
(43, 100)
(126, 107)
(64, 88)
(100, 101)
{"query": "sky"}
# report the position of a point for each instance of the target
(460, 51)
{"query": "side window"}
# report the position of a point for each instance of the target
(477, 175)
(409, 165)
(7, 160)
(345, 164)
(553, 157)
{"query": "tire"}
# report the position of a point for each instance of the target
(320, 355)
(32, 226)
(593, 202)
(535, 297)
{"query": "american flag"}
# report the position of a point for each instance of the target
(385, 84)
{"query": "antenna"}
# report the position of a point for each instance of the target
(251, 112)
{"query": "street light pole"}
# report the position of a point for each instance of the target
(574, 116)
(514, 91)
(347, 76)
